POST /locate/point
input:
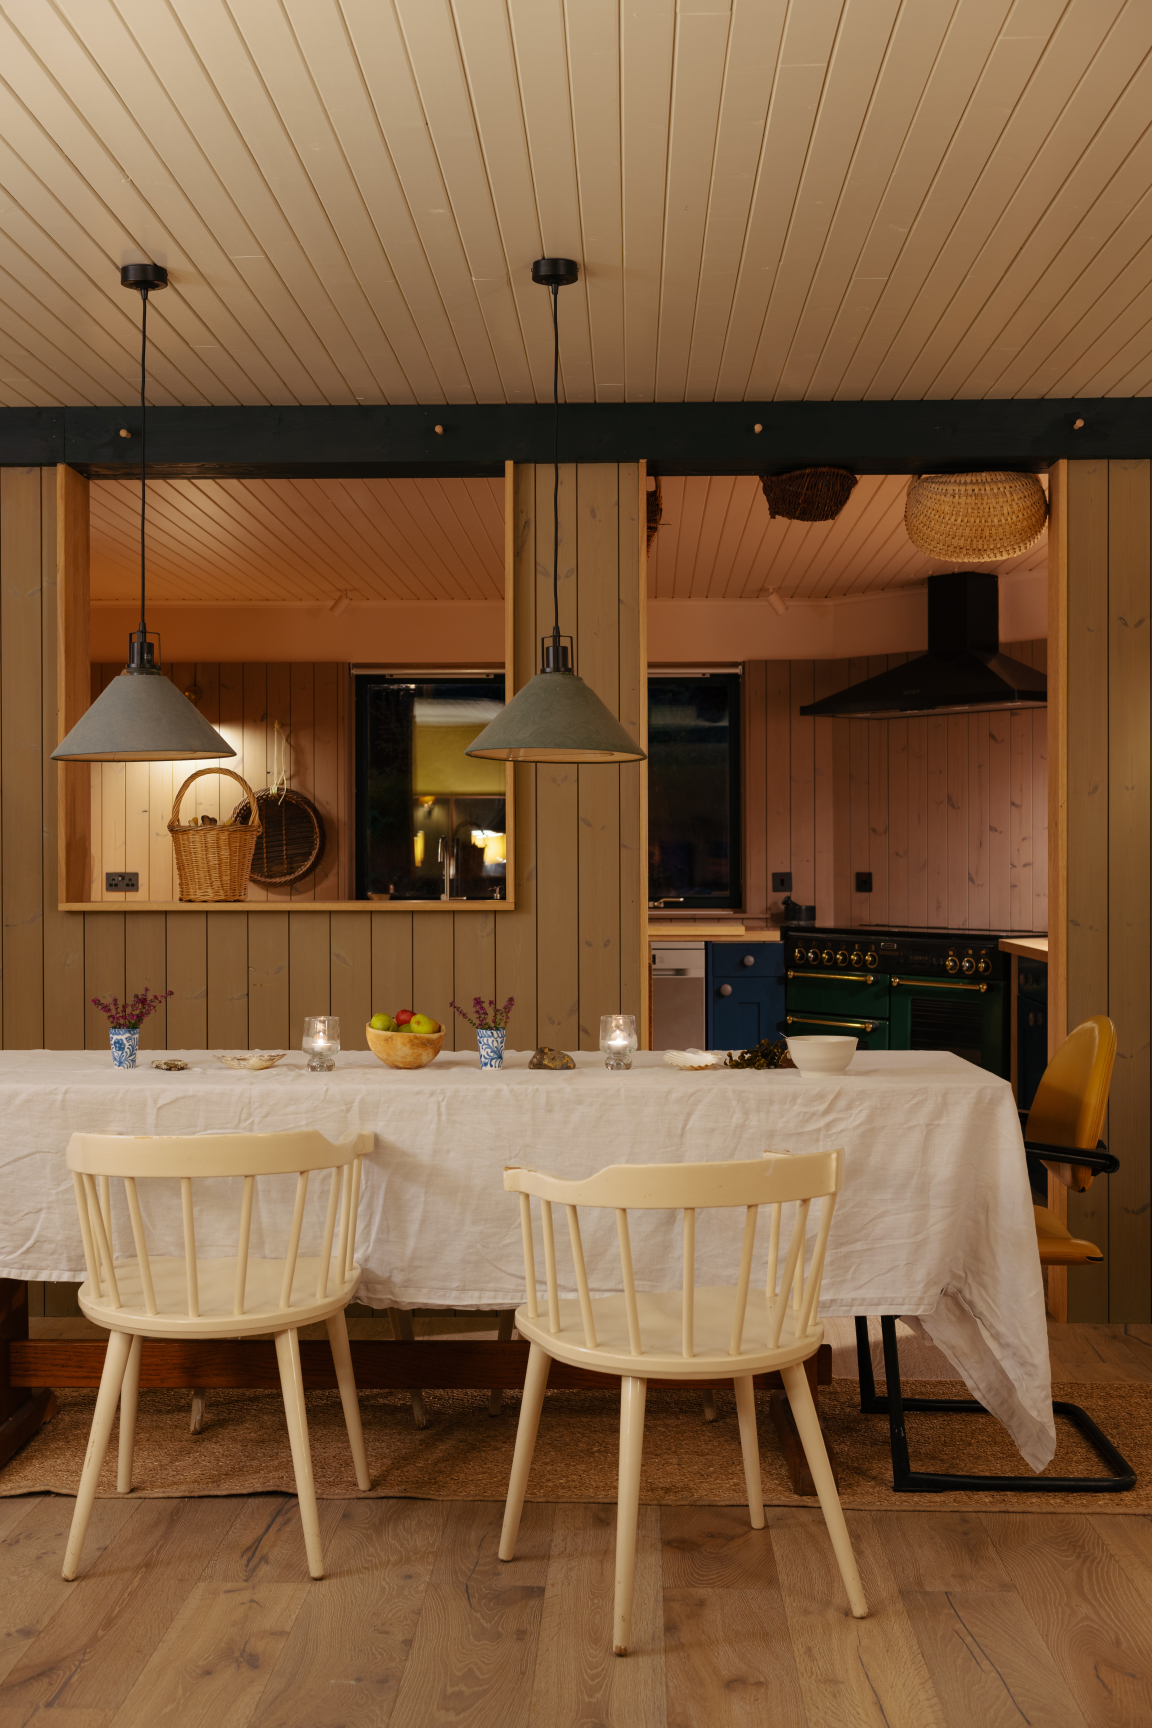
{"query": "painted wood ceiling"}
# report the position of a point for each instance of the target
(305, 542)
(768, 198)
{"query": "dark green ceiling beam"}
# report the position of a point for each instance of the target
(676, 438)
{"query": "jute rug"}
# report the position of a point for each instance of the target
(465, 1454)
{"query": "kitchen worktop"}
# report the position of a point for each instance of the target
(1026, 947)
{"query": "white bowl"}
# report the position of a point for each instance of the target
(821, 1055)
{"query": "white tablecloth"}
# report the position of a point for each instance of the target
(934, 1221)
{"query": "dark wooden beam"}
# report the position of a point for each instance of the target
(674, 437)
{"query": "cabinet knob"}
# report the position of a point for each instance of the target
(748, 960)
(725, 989)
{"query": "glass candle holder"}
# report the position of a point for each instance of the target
(321, 1041)
(618, 1039)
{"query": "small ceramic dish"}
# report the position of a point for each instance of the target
(254, 1060)
(694, 1060)
(821, 1055)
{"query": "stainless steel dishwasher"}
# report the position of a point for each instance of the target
(677, 995)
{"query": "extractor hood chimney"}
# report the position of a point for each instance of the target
(963, 671)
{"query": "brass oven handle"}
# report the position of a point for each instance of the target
(939, 984)
(813, 1020)
(840, 977)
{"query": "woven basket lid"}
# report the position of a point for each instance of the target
(975, 517)
(808, 494)
(291, 843)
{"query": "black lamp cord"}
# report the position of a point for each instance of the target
(143, 450)
(555, 482)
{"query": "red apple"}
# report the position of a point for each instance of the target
(403, 1016)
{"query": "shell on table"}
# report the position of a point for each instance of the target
(254, 1060)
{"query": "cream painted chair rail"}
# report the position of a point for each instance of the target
(185, 1296)
(692, 1334)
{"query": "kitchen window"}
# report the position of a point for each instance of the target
(694, 791)
(431, 822)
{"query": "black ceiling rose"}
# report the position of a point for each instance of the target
(555, 272)
(150, 276)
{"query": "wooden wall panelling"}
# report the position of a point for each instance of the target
(957, 818)
(212, 796)
(473, 966)
(391, 960)
(1040, 802)
(433, 980)
(309, 971)
(268, 1013)
(256, 747)
(1129, 886)
(879, 843)
(937, 805)
(325, 793)
(351, 961)
(1020, 844)
(999, 821)
(21, 741)
(73, 688)
(758, 834)
(146, 968)
(187, 943)
(302, 751)
(801, 764)
(777, 753)
(557, 795)
(898, 822)
(63, 931)
(279, 707)
(104, 971)
(918, 822)
(227, 959)
(977, 836)
(633, 712)
(516, 931)
(598, 788)
(824, 789)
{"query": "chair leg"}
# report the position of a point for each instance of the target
(292, 1385)
(403, 1330)
(346, 1380)
(129, 1398)
(750, 1447)
(710, 1411)
(199, 1410)
(633, 1397)
(115, 1362)
(503, 1336)
(808, 1426)
(531, 1404)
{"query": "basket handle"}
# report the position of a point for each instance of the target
(254, 825)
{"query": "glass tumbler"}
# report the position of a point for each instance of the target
(618, 1039)
(321, 1041)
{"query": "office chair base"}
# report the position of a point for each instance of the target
(905, 1480)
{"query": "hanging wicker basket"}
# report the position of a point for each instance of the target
(655, 509)
(808, 494)
(291, 836)
(213, 861)
(975, 518)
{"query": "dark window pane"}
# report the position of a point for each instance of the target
(693, 790)
(429, 818)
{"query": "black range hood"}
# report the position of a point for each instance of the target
(963, 670)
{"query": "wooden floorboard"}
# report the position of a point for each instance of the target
(202, 1613)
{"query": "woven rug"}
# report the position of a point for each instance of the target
(465, 1454)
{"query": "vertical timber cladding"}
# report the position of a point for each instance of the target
(1100, 578)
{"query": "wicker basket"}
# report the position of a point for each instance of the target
(975, 518)
(213, 863)
(655, 508)
(808, 494)
(292, 843)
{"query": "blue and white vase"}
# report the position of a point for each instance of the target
(490, 1042)
(125, 1041)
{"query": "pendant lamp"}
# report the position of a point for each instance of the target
(556, 717)
(141, 716)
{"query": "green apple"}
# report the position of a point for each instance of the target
(422, 1023)
(382, 1023)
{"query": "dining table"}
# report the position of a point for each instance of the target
(933, 1223)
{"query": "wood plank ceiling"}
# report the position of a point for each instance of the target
(768, 198)
(277, 542)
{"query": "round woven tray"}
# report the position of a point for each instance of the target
(808, 494)
(291, 839)
(975, 518)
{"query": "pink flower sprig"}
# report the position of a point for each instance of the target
(128, 1016)
(486, 1016)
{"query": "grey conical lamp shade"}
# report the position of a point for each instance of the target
(556, 718)
(139, 707)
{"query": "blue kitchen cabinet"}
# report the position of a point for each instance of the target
(744, 992)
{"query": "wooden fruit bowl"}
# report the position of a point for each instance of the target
(404, 1049)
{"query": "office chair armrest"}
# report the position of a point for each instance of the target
(1101, 1162)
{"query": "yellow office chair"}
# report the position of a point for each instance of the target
(1062, 1130)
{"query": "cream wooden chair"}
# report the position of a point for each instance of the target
(687, 1335)
(184, 1296)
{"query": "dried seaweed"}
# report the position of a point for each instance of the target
(769, 1053)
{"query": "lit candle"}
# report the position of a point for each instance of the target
(618, 1039)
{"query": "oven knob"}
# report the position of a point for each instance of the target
(813, 956)
(857, 957)
(799, 955)
(842, 958)
(828, 957)
(968, 966)
(870, 958)
(983, 965)
(951, 964)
